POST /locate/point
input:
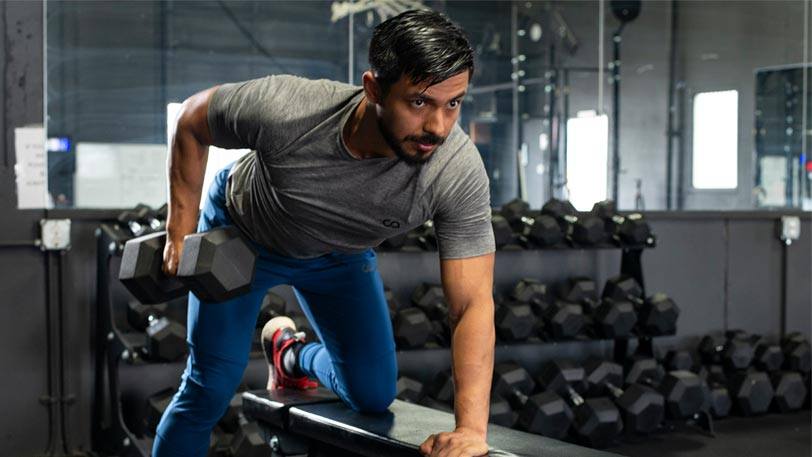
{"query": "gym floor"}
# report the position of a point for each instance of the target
(787, 435)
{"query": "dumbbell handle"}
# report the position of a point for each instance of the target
(154, 318)
(146, 322)
(629, 297)
(573, 396)
(516, 398)
(616, 392)
(648, 381)
(569, 218)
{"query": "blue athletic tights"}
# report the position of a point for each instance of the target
(342, 297)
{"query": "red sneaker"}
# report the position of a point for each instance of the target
(278, 335)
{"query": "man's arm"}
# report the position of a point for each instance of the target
(468, 287)
(187, 167)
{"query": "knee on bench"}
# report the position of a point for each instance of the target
(371, 399)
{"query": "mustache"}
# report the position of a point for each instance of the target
(426, 139)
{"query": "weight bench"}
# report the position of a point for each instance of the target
(317, 423)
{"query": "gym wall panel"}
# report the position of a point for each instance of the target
(754, 277)
(799, 282)
(688, 264)
(22, 324)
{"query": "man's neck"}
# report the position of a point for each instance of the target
(362, 134)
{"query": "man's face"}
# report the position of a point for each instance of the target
(416, 118)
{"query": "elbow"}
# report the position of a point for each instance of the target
(477, 309)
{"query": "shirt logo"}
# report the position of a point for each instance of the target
(390, 223)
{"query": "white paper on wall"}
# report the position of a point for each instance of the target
(31, 169)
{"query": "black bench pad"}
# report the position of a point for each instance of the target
(272, 406)
(318, 414)
(401, 430)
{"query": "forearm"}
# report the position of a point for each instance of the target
(472, 358)
(187, 167)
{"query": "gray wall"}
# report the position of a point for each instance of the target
(722, 268)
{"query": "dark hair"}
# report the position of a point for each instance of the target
(423, 44)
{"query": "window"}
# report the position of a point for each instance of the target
(587, 159)
(715, 147)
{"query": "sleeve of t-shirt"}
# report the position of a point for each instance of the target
(262, 114)
(462, 220)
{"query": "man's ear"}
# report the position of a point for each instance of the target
(372, 90)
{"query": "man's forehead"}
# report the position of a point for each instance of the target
(452, 86)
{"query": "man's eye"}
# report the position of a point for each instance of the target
(454, 103)
(418, 103)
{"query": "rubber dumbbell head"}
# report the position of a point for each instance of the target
(409, 390)
(642, 407)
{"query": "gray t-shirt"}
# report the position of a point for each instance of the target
(301, 194)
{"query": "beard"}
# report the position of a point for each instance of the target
(397, 145)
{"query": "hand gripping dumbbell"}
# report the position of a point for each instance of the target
(216, 265)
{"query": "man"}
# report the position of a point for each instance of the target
(336, 169)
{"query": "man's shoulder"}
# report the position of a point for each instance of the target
(321, 87)
(285, 87)
(459, 155)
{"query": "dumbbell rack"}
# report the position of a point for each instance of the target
(114, 345)
(109, 432)
(631, 265)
